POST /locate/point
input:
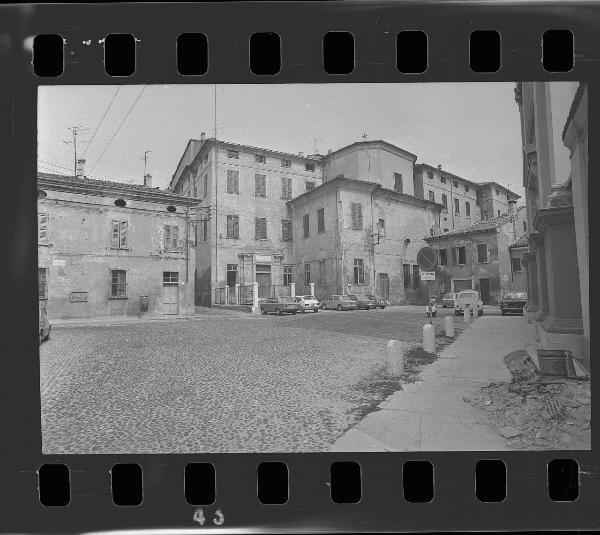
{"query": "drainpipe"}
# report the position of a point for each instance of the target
(373, 243)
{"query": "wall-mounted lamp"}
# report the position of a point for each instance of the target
(406, 241)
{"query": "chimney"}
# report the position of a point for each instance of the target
(80, 168)
(329, 151)
(439, 166)
(511, 206)
(202, 136)
(148, 180)
(301, 154)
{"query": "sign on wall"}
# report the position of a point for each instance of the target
(427, 275)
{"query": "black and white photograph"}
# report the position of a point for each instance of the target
(354, 267)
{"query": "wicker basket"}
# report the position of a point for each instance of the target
(521, 366)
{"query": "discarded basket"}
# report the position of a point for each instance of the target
(521, 366)
(554, 408)
(556, 363)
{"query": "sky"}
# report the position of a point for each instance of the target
(471, 129)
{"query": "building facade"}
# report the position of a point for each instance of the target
(109, 249)
(554, 136)
(478, 257)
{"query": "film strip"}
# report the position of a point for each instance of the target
(369, 486)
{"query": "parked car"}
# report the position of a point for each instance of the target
(513, 302)
(468, 299)
(45, 326)
(339, 302)
(362, 301)
(280, 305)
(308, 302)
(448, 300)
(431, 308)
(378, 302)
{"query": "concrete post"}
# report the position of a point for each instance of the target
(255, 309)
(237, 294)
(429, 338)
(312, 289)
(467, 315)
(226, 295)
(449, 324)
(394, 357)
(293, 289)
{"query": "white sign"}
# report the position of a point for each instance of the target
(263, 258)
(58, 262)
(427, 275)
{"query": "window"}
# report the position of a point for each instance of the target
(233, 154)
(233, 227)
(286, 229)
(431, 196)
(357, 218)
(286, 163)
(443, 179)
(170, 277)
(171, 238)
(482, 254)
(118, 284)
(359, 271)
(43, 227)
(524, 226)
(205, 184)
(406, 275)
(232, 274)
(466, 189)
(195, 189)
(233, 181)
(498, 213)
(459, 255)
(431, 231)
(306, 274)
(322, 272)
(497, 191)
(286, 188)
(306, 225)
(309, 166)
(310, 185)
(119, 235)
(287, 275)
(42, 283)
(515, 264)
(456, 206)
(260, 185)
(205, 230)
(260, 228)
(445, 201)
(260, 158)
(398, 182)
(445, 230)
(429, 174)
(416, 277)
(455, 184)
(468, 209)
(443, 257)
(321, 220)
(381, 228)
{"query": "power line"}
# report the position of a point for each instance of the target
(120, 126)
(101, 120)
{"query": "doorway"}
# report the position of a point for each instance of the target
(484, 290)
(384, 286)
(263, 277)
(170, 292)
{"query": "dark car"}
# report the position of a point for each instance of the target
(45, 326)
(280, 305)
(362, 301)
(513, 303)
(377, 301)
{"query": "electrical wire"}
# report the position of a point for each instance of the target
(102, 119)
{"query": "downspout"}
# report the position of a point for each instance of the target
(373, 243)
(339, 254)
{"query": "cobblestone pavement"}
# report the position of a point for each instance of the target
(218, 382)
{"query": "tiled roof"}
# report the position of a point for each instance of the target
(481, 226)
(521, 241)
(136, 188)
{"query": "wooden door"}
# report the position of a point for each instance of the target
(484, 290)
(384, 286)
(170, 293)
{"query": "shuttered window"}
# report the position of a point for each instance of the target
(432, 196)
(406, 274)
(286, 188)
(205, 184)
(306, 225)
(416, 277)
(171, 238)
(443, 257)
(233, 226)
(286, 229)
(482, 254)
(468, 209)
(398, 186)
(43, 227)
(260, 185)
(445, 201)
(357, 216)
(306, 274)
(456, 206)
(42, 283)
(260, 228)
(321, 220)
(118, 237)
(118, 283)
(233, 181)
(205, 230)
(310, 185)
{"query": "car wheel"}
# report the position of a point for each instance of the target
(279, 312)
(382, 307)
(316, 310)
(262, 310)
(294, 313)
(434, 314)
(324, 306)
(41, 338)
(340, 308)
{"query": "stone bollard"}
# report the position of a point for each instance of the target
(429, 338)
(449, 324)
(467, 315)
(394, 357)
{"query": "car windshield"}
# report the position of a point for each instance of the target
(286, 300)
(515, 295)
(468, 294)
(352, 297)
(362, 297)
(371, 297)
(448, 296)
(308, 298)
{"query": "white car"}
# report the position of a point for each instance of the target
(308, 302)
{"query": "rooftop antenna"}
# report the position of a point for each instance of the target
(76, 129)
(364, 137)
(316, 139)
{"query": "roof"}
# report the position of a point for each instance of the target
(486, 225)
(75, 182)
(573, 109)
(522, 241)
(495, 184)
(371, 142)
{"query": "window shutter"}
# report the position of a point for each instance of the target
(257, 185)
(175, 238)
(454, 255)
(359, 216)
(236, 226)
(42, 227)
(167, 238)
(115, 234)
(123, 235)
(230, 226)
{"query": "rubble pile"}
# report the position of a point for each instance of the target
(538, 416)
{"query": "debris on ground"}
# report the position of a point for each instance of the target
(538, 415)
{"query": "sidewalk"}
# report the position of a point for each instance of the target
(430, 414)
